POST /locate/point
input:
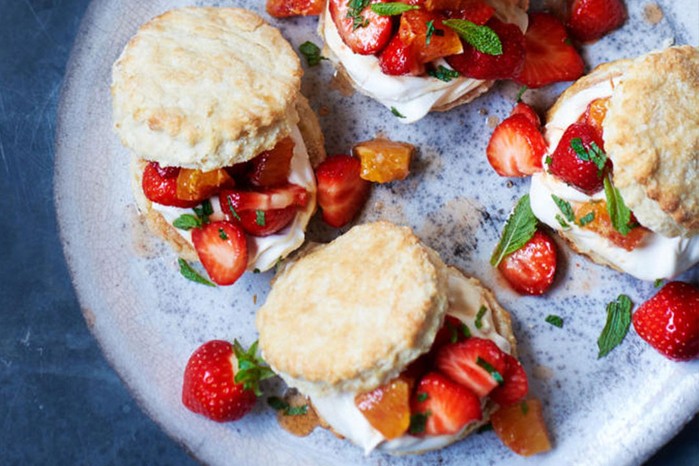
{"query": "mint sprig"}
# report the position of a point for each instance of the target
(482, 38)
(187, 222)
(616, 207)
(354, 11)
(617, 326)
(519, 228)
(189, 273)
(392, 8)
(565, 208)
(592, 153)
(443, 73)
(311, 52)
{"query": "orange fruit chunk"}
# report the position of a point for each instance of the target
(196, 185)
(383, 160)
(387, 408)
(271, 167)
(521, 427)
(602, 225)
(413, 30)
(595, 113)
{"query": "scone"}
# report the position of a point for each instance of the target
(642, 116)
(375, 323)
(427, 75)
(208, 101)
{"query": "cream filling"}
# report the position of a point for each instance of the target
(339, 410)
(656, 257)
(412, 96)
(265, 251)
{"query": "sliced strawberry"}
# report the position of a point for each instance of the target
(263, 199)
(366, 33)
(210, 386)
(669, 321)
(516, 147)
(479, 65)
(549, 57)
(442, 407)
(414, 30)
(476, 363)
(453, 331)
(516, 384)
(568, 165)
(271, 167)
(527, 111)
(287, 8)
(222, 250)
(532, 268)
(399, 58)
(476, 11)
(341, 191)
(589, 20)
(160, 186)
(264, 222)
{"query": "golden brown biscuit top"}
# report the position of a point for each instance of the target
(205, 88)
(352, 314)
(651, 133)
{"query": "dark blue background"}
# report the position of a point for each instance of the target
(60, 402)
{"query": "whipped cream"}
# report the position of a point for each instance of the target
(340, 411)
(656, 257)
(265, 251)
(412, 96)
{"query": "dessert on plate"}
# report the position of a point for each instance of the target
(208, 101)
(621, 178)
(397, 351)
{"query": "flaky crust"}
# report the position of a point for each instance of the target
(651, 133)
(205, 88)
(352, 314)
(312, 137)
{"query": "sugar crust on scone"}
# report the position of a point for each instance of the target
(651, 133)
(205, 88)
(352, 314)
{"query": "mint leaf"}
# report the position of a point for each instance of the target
(392, 9)
(190, 274)
(479, 317)
(491, 370)
(260, 217)
(311, 52)
(618, 212)
(561, 221)
(520, 93)
(519, 228)
(231, 208)
(593, 154)
(658, 282)
(418, 422)
(187, 222)
(586, 219)
(565, 208)
(443, 73)
(354, 11)
(482, 38)
(395, 111)
(422, 397)
(617, 326)
(554, 320)
(222, 234)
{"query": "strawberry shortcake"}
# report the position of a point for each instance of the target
(397, 351)
(621, 174)
(208, 101)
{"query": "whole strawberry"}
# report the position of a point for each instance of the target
(669, 321)
(221, 380)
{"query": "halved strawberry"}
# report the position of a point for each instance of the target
(271, 167)
(264, 222)
(263, 199)
(527, 111)
(287, 8)
(442, 407)
(516, 384)
(399, 58)
(476, 363)
(476, 11)
(516, 147)
(221, 380)
(579, 171)
(222, 250)
(532, 268)
(669, 321)
(589, 20)
(365, 32)
(453, 331)
(549, 57)
(479, 65)
(160, 186)
(341, 191)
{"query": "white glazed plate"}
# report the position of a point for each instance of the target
(148, 319)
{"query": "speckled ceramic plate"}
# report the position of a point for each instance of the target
(149, 319)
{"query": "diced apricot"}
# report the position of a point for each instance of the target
(602, 225)
(433, 5)
(383, 160)
(387, 408)
(196, 185)
(443, 41)
(286, 8)
(521, 427)
(595, 113)
(271, 167)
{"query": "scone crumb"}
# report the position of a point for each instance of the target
(653, 13)
(543, 372)
(492, 121)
